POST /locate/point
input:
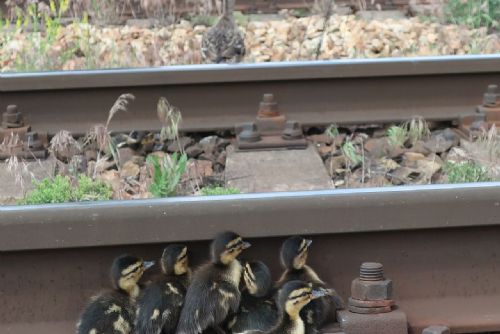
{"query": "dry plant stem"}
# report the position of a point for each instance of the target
(362, 163)
(326, 22)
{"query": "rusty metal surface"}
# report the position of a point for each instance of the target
(341, 91)
(45, 289)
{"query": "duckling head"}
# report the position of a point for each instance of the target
(226, 247)
(294, 252)
(126, 271)
(257, 278)
(294, 295)
(174, 260)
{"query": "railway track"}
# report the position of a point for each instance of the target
(438, 243)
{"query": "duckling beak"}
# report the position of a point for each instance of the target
(318, 293)
(308, 243)
(148, 264)
(245, 245)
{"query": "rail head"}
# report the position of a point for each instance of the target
(253, 215)
(233, 73)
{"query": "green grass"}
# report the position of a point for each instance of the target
(217, 191)
(397, 135)
(465, 172)
(350, 153)
(167, 173)
(473, 13)
(61, 190)
(332, 131)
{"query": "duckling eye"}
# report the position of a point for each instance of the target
(300, 296)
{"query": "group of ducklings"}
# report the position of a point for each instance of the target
(225, 295)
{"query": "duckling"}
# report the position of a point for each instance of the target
(223, 42)
(113, 311)
(291, 299)
(294, 253)
(214, 291)
(160, 304)
(257, 307)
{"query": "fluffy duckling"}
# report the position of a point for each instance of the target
(214, 291)
(160, 304)
(291, 299)
(223, 42)
(113, 311)
(257, 308)
(294, 253)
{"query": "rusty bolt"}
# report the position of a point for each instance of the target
(12, 118)
(268, 107)
(250, 133)
(371, 284)
(292, 130)
(371, 271)
(371, 290)
(490, 97)
(436, 330)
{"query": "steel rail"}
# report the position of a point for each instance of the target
(253, 215)
(435, 241)
(219, 96)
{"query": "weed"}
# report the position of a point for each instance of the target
(353, 158)
(418, 129)
(106, 12)
(90, 190)
(332, 131)
(64, 146)
(397, 135)
(465, 172)
(167, 173)
(473, 13)
(240, 18)
(170, 117)
(101, 136)
(203, 20)
(216, 191)
(45, 22)
(61, 190)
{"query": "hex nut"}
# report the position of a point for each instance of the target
(371, 290)
(436, 330)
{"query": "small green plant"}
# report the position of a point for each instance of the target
(167, 173)
(473, 13)
(418, 129)
(397, 135)
(61, 190)
(217, 191)
(350, 153)
(90, 190)
(203, 20)
(465, 172)
(332, 131)
(240, 18)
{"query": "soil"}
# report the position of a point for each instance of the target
(375, 160)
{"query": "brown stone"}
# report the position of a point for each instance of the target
(334, 164)
(321, 139)
(130, 169)
(194, 151)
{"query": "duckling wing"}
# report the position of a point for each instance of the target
(107, 313)
(158, 308)
(255, 314)
(208, 303)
